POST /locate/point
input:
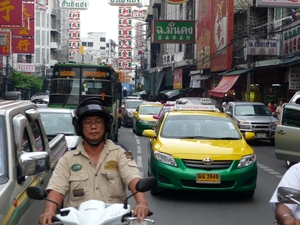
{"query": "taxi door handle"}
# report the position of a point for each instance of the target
(281, 132)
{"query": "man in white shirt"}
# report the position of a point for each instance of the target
(287, 214)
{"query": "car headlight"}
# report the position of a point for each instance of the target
(244, 125)
(273, 126)
(165, 158)
(130, 114)
(247, 161)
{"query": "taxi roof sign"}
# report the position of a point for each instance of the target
(195, 107)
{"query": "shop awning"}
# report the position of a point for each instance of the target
(172, 93)
(224, 86)
(235, 72)
(164, 91)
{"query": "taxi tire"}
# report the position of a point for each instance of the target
(248, 194)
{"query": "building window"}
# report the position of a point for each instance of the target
(90, 44)
(102, 48)
(102, 39)
(83, 43)
(107, 45)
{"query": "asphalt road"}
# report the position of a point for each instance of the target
(177, 208)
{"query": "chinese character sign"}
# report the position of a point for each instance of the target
(11, 12)
(23, 45)
(5, 50)
(28, 15)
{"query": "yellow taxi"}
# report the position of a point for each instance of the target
(143, 116)
(197, 147)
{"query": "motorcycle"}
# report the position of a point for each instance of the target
(287, 195)
(95, 212)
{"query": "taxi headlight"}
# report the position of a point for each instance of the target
(247, 161)
(165, 158)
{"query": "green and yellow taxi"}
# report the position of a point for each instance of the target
(197, 147)
(143, 116)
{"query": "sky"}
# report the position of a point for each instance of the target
(100, 17)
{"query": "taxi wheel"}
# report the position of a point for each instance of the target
(248, 194)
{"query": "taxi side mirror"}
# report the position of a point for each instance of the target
(149, 133)
(156, 117)
(135, 113)
(249, 136)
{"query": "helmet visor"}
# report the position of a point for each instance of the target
(92, 110)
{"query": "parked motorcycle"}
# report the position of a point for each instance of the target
(94, 212)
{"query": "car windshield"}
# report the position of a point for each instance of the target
(163, 110)
(3, 167)
(252, 110)
(133, 104)
(57, 123)
(199, 127)
(150, 110)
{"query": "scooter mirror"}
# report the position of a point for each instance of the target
(37, 193)
(146, 184)
(288, 195)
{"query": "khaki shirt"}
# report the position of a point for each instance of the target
(77, 178)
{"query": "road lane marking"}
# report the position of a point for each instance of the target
(138, 141)
(139, 161)
(269, 170)
(139, 149)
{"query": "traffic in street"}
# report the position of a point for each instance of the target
(186, 207)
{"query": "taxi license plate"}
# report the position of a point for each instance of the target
(211, 178)
(261, 135)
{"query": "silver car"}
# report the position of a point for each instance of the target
(128, 106)
(253, 117)
(59, 121)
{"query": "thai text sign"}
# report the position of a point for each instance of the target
(176, 2)
(125, 2)
(5, 50)
(136, 14)
(262, 47)
(291, 39)
(3, 39)
(278, 3)
(26, 67)
(74, 4)
(294, 78)
(174, 31)
(11, 12)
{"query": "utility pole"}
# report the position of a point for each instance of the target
(135, 78)
(6, 73)
(248, 57)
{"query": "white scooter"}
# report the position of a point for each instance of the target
(94, 212)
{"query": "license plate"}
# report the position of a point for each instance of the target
(261, 135)
(208, 178)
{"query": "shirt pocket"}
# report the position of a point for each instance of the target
(111, 176)
(79, 187)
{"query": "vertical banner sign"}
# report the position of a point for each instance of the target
(28, 15)
(221, 35)
(74, 33)
(125, 38)
(23, 45)
(204, 34)
(5, 43)
(11, 13)
(177, 79)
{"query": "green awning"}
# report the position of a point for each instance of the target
(268, 62)
(235, 72)
(172, 93)
(164, 91)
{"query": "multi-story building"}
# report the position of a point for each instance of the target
(100, 47)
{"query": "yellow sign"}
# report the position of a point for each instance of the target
(87, 73)
(67, 73)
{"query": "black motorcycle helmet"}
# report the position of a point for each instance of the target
(93, 106)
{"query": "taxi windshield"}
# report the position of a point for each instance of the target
(150, 110)
(3, 168)
(199, 127)
(132, 104)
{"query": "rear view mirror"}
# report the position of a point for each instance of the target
(288, 195)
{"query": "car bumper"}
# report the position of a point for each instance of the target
(261, 135)
(232, 179)
(128, 119)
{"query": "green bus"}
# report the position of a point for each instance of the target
(72, 83)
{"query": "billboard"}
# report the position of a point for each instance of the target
(221, 35)
(5, 45)
(204, 33)
(11, 14)
(23, 45)
(291, 39)
(278, 3)
(174, 31)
